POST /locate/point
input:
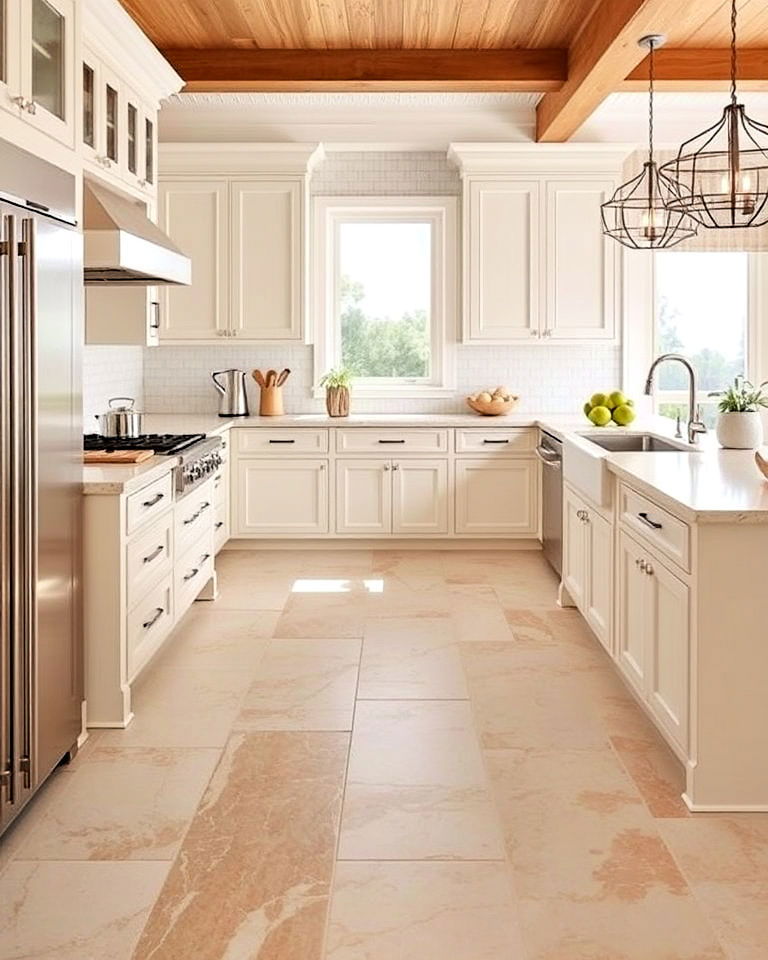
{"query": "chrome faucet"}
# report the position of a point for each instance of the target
(695, 425)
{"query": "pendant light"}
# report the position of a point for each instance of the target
(722, 173)
(639, 214)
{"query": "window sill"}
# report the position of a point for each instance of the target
(394, 393)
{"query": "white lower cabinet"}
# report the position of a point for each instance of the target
(653, 640)
(588, 563)
(420, 497)
(363, 497)
(281, 497)
(497, 496)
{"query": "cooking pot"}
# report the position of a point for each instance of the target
(121, 420)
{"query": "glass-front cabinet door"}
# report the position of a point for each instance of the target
(48, 66)
(11, 97)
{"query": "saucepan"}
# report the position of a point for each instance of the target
(121, 420)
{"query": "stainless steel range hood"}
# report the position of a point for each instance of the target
(123, 246)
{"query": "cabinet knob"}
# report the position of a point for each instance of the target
(649, 569)
(395, 466)
(641, 564)
(534, 333)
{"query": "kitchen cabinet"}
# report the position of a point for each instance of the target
(38, 65)
(281, 497)
(497, 496)
(654, 636)
(502, 260)
(267, 261)
(122, 315)
(401, 497)
(196, 215)
(221, 498)
(588, 563)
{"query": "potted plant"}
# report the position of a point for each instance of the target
(739, 424)
(337, 383)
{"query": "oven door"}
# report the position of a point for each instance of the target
(550, 452)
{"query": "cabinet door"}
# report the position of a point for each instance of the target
(122, 315)
(10, 63)
(598, 607)
(501, 261)
(90, 107)
(575, 536)
(496, 498)
(420, 497)
(281, 498)
(364, 497)
(580, 263)
(195, 215)
(48, 66)
(267, 262)
(668, 637)
(633, 594)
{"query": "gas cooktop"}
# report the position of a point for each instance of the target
(161, 443)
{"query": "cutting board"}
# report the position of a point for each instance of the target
(117, 456)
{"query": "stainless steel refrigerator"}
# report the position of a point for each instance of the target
(40, 474)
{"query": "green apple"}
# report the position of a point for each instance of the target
(600, 415)
(623, 415)
(587, 408)
(630, 403)
(616, 399)
(599, 400)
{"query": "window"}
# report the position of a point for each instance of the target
(385, 276)
(701, 311)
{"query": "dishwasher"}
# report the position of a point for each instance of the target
(550, 452)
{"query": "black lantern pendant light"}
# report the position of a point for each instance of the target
(639, 214)
(722, 173)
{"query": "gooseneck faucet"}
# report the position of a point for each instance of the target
(695, 425)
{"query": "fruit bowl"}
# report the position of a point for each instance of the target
(495, 407)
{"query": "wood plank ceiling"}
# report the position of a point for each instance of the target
(578, 50)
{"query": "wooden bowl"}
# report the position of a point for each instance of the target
(494, 408)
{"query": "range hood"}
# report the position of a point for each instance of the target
(123, 246)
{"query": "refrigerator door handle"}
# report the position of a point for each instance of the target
(7, 508)
(29, 488)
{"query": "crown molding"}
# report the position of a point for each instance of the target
(110, 32)
(506, 158)
(233, 159)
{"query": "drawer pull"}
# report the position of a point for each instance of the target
(155, 553)
(219, 524)
(159, 611)
(495, 441)
(282, 441)
(391, 441)
(648, 522)
(194, 516)
(153, 500)
(192, 575)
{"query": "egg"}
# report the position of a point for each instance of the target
(484, 397)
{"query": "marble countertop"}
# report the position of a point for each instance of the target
(115, 478)
(210, 423)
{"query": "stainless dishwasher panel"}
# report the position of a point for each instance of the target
(550, 452)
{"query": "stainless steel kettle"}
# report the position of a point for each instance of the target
(233, 400)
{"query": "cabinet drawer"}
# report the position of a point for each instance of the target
(220, 483)
(390, 441)
(193, 516)
(192, 572)
(496, 440)
(148, 625)
(148, 503)
(149, 558)
(658, 527)
(273, 440)
(220, 527)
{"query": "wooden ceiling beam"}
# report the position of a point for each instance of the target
(237, 70)
(694, 69)
(605, 51)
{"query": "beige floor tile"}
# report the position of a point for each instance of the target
(409, 569)
(419, 823)
(592, 871)
(720, 848)
(241, 590)
(183, 708)
(303, 685)
(422, 911)
(70, 910)
(411, 658)
(132, 804)
(253, 875)
(209, 638)
(655, 770)
(415, 743)
(310, 616)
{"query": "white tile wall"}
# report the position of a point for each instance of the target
(552, 378)
(110, 372)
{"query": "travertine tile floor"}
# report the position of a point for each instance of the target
(357, 755)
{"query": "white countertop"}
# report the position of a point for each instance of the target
(710, 485)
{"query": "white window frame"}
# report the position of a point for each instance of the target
(640, 326)
(442, 215)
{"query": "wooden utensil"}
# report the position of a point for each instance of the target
(762, 464)
(117, 456)
(258, 376)
(271, 378)
(283, 377)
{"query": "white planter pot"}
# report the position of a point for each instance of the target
(739, 431)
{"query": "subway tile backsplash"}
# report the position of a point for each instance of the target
(110, 372)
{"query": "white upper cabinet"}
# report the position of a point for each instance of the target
(37, 73)
(195, 214)
(581, 283)
(536, 266)
(267, 259)
(501, 242)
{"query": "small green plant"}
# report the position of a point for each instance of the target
(742, 397)
(337, 377)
